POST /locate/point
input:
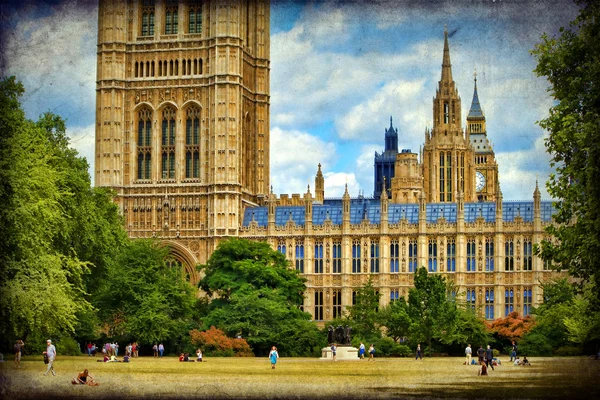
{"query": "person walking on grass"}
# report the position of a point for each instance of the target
(155, 349)
(50, 353)
(273, 356)
(361, 351)
(372, 352)
(419, 355)
(468, 353)
(18, 350)
(161, 350)
(489, 356)
(334, 352)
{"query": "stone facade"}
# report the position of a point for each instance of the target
(182, 137)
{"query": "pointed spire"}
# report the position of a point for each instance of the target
(446, 65)
(475, 111)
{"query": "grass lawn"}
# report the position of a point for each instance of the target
(234, 378)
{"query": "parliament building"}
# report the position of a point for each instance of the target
(182, 136)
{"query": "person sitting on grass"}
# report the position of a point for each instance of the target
(181, 357)
(199, 355)
(126, 358)
(482, 369)
(84, 378)
(517, 361)
(525, 361)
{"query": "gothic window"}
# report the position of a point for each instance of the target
(489, 254)
(337, 303)
(527, 254)
(147, 17)
(281, 247)
(446, 113)
(144, 143)
(300, 258)
(337, 257)
(509, 301)
(192, 143)
(168, 143)
(489, 304)
(394, 295)
(471, 265)
(195, 17)
(412, 255)
(442, 176)
(171, 17)
(509, 255)
(319, 305)
(356, 256)
(451, 256)
(374, 257)
(527, 301)
(394, 256)
(448, 176)
(354, 297)
(318, 258)
(432, 255)
(462, 173)
(471, 298)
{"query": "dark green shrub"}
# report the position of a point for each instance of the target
(568, 351)
(67, 346)
(535, 344)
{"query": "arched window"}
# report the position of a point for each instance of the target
(147, 17)
(144, 143)
(192, 143)
(195, 17)
(168, 143)
(171, 17)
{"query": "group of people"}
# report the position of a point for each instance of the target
(487, 360)
(186, 356)
(158, 350)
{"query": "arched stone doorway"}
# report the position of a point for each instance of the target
(186, 259)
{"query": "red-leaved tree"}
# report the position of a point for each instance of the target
(214, 342)
(512, 327)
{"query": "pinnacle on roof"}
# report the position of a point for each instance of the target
(475, 111)
(446, 65)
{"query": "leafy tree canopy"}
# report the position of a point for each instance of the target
(571, 63)
(145, 297)
(363, 315)
(257, 296)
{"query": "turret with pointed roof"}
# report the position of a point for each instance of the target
(384, 162)
(447, 155)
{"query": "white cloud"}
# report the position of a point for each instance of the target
(335, 184)
(392, 99)
(54, 57)
(295, 156)
(520, 169)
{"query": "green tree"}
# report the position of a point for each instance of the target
(431, 309)
(42, 288)
(145, 296)
(396, 319)
(257, 296)
(364, 314)
(571, 63)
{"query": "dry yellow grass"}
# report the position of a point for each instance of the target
(233, 378)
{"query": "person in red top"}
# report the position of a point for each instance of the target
(89, 348)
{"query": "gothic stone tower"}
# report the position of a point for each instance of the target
(182, 118)
(447, 154)
(486, 174)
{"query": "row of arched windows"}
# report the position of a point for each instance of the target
(168, 136)
(151, 69)
(171, 17)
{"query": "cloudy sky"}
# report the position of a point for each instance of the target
(339, 70)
